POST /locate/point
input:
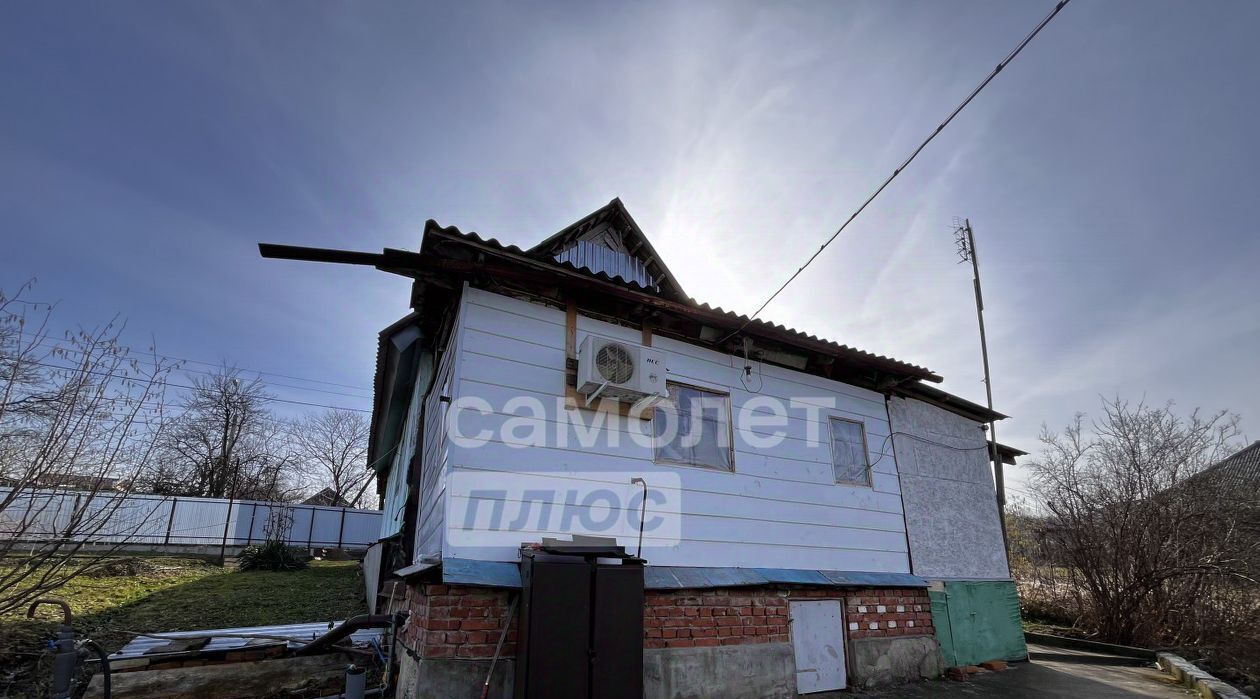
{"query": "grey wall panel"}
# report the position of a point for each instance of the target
(947, 487)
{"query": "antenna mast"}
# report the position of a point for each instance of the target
(966, 241)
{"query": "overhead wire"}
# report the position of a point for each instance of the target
(906, 163)
(269, 399)
(49, 338)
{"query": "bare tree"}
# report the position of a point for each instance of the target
(1131, 532)
(226, 443)
(80, 417)
(333, 448)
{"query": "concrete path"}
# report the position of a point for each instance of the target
(1055, 673)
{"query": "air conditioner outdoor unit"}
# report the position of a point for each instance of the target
(621, 370)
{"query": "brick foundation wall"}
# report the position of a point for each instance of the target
(736, 616)
(451, 621)
(699, 618)
(878, 613)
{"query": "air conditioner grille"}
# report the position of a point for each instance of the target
(614, 363)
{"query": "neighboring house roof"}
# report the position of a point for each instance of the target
(1241, 471)
(327, 497)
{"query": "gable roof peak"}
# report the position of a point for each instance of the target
(613, 219)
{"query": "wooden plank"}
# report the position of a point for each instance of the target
(576, 401)
(570, 329)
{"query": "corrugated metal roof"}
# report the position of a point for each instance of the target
(1237, 472)
(226, 639)
(719, 313)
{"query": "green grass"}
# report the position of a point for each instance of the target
(179, 595)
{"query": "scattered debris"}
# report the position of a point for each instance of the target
(994, 665)
(223, 646)
(962, 673)
(229, 681)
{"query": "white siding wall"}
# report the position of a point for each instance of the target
(435, 455)
(947, 482)
(780, 508)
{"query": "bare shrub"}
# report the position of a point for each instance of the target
(80, 416)
(1132, 544)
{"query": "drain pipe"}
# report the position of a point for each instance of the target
(363, 621)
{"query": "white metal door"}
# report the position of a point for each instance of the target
(818, 643)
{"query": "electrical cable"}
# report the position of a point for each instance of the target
(925, 440)
(193, 388)
(49, 337)
(1005, 61)
(147, 360)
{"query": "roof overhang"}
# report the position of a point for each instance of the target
(447, 252)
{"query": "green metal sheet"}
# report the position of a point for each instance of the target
(978, 621)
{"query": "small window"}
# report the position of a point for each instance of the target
(694, 428)
(848, 452)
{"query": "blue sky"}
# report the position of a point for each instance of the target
(145, 148)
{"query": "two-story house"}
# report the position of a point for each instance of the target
(809, 516)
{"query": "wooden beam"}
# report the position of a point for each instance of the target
(570, 329)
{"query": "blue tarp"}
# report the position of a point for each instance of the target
(504, 574)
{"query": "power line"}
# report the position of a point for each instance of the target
(144, 359)
(192, 388)
(48, 337)
(1005, 61)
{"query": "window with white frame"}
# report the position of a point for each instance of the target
(694, 428)
(848, 452)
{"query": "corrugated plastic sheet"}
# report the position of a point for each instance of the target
(503, 574)
(225, 639)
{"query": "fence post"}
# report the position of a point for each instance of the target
(310, 533)
(170, 522)
(252, 514)
(227, 522)
(341, 531)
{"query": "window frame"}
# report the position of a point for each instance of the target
(866, 453)
(730, 430)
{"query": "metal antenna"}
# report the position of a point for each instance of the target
(965, 238)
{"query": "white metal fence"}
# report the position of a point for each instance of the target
(134, 520)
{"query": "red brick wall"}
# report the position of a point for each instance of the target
(451, 621)
(876, 613)
(696, 618)
(465, 622)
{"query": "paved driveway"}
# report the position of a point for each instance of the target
(1055, 673)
